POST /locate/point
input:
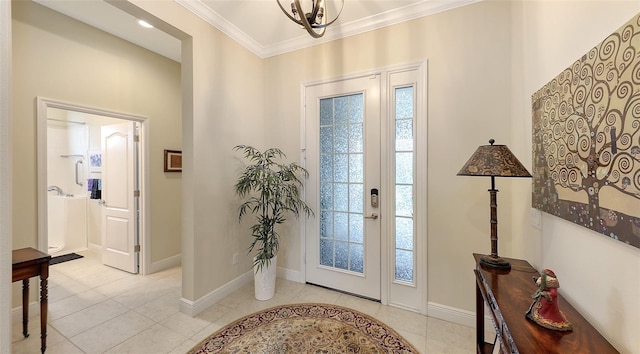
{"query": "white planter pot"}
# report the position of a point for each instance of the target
(265, 280)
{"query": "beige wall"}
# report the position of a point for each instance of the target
(224, 107)
(62, 59)
(600, 276)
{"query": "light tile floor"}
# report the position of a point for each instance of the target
(97, 309)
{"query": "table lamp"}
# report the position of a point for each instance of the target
(494, 161)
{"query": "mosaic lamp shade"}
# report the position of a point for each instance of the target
(494, 161)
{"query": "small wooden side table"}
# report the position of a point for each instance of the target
(508, 296)
(27, 263)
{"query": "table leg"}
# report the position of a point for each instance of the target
(479, 318)
(43, 306)
(25, 307)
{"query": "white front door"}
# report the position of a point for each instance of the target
(343, 159)
(120, 208)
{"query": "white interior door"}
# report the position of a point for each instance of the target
(120, 208)
(343, 159)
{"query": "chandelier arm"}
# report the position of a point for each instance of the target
(335, 18)
(288, 15)
(332, 21)
(305, 21)
(314, 11)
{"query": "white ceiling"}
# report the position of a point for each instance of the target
(259, 25)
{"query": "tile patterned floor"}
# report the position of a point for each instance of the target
(97, 309)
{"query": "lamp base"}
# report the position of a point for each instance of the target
(490, 261)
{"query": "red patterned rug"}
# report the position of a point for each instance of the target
(305, 328)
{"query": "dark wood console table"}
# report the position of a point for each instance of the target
(508, 296)
(28, 263)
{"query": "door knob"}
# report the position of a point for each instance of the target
(373, 216)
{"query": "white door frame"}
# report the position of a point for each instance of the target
(42, 105)
(386, 271)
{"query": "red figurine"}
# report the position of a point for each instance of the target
(544, 310)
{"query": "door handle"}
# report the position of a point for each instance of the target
(373, 216)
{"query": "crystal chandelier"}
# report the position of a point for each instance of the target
(314, 21)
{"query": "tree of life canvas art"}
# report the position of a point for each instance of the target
(586, 139)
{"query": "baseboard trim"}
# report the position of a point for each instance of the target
(170, 262)
(451, 314)
(193, 308)
(166, 263)
(34, 310)
(435, 310)
(95, 247)
(288, 274)
(458, 316)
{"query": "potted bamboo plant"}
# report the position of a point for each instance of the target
(271, 191)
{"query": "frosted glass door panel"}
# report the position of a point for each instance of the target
(343, 159)
(404, 191)
(341, 188)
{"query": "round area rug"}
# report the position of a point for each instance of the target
(305, 328)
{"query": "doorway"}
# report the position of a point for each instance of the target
(365, 150)
(115, 155)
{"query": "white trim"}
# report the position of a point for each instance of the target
(459, 316)
(289, 274)
(434, 310)
(144, 134)
(42, 105)
(94, 247)
(422, 176)
(334, 32)
(34, 307)
(386, 249)
(167, 263)
(355, 75)
(303, 162)
(155, 267)
(5, 177)
(193, 308)
(451, 314)
(41, 167)
(412, 296)
(203, 11)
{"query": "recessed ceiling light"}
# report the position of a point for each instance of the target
(145, 24)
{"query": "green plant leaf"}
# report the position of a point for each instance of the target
(270, 190)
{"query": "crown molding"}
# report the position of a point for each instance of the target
(407, 13)
(203, 11)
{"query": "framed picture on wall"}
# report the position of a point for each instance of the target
(172, 161)
(585, 128)
(95, 160)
